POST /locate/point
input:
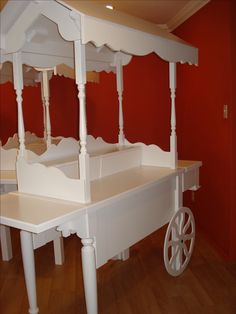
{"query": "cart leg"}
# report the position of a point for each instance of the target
(89, 276)
(58, 251)
(6, 246)
(29, 269)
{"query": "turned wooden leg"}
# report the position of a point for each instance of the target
(6, 246)
(58, 251)
(89, 276)
(29, 269)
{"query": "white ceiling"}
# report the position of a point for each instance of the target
(166, 13)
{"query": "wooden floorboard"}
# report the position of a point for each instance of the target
(139, 285)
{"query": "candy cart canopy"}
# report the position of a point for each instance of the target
(86, 36)
(30, 75)
(44, 32)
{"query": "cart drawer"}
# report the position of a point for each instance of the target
(190, 180)
(190, 175)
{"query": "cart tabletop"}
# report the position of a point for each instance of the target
(37, 213)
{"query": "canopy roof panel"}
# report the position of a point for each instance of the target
(118, 17)
(129, 34)
(44, 32)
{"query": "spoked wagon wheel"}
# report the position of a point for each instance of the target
(179, 241)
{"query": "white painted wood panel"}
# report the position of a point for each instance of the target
(123, 223)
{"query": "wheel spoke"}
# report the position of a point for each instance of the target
(181, 222)
(173, 243)
(180, 257)
(185, 228)
(186, 250)
(189, 236)
(179, 241)
(176, 228)
(173, 257)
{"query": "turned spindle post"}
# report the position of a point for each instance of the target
(80, 74)
(120, 88)
(46, 95)
(173, 137)
(18, 86)
(44, 110)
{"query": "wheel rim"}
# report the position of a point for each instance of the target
(179, 241)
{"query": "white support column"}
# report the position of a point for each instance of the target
(173, 137)
(80, 74)
(27, 250)
(59, 251)
(120, 88)
(46, 95)
(89, 275)
(5, 239)
(44, 110)
(18, 86)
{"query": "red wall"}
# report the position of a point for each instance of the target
(8, 112)
(146, 105)
(63, 109)
(233, 133)
(204, 133)
(31, 106)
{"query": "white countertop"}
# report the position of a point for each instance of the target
(37, 214)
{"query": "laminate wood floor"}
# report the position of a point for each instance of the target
(139, 285)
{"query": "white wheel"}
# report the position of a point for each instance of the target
(179, 241)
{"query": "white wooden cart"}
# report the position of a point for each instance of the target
(111, 195)
(38, 148)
